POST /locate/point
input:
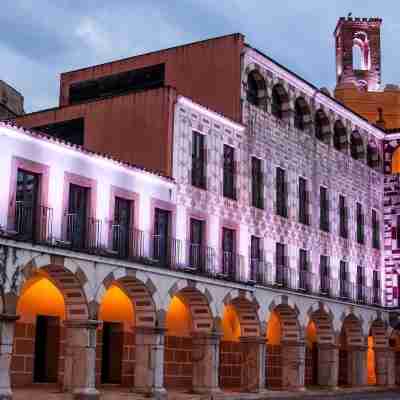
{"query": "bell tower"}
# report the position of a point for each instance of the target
(358, 53)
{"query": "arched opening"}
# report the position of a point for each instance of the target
(358, 63)
(38, 355)
(302, 115)
(396, 161)
(280, 101)
(256, 88)
(311, 371)
(115, 350)
(356, 146)
(372, 155)
(284, 350)
(395, 346)
(352, 357)
(239, 355)
(322, 127)
(361, 52)
(188, 315)
(340, 141)
(378, 358)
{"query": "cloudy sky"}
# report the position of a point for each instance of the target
(41, 38)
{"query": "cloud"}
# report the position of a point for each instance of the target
(42, 38)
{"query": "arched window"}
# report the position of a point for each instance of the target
(256, 88)
(357, 58)
(340, 136)
(302, 116)
(396, 164)
(356, 146)
(280, 101)
(322, 126)
(372, 154)
(361, 52)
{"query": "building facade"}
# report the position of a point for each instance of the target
(11, 102)
(256, 259)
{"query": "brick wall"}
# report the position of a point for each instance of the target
(230, 365)
(178, 366)
(274, 367)
(128, 360)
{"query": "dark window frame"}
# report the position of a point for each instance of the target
(229, 172)
(257, 183)
(281, 193)
(199, 169)
(324, 222)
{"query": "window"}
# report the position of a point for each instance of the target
(398, 232)
(198, 161)
(375, 230)
(343, 218)
(280, 100)
(121, 228)
(376, 286)
(77, 216)
(229, 172)
(281, 193)
(26, 204)
(282, 276)
(161, 239)
(322, 126)
(256, 88)
(256, 257)
(257, 183)
(360, 224)
(301, 114)
(304, 217)
(324, 209)
(324, 274)
(196, 250)
(356, 146)
(228, 253)
(343, 279)
(360, 284)
(340, 136)
(304, 281)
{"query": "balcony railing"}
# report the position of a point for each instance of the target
(87, 235)
(307, 281)
(32, 223)
(286, 277)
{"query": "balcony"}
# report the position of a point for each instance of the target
(286, 277)
(32, 224)
(346, 290)
(307, 281)
(328, 286)
(200, 259)
(232, 267)
(260, 273)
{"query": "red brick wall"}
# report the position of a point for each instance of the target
(230, 365)
(178, 366)
(274, 367)
(22, 362)
(128, 358)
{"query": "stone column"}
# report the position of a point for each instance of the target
(357, 366)
(205, 358)
(293, 365)
(7, 328)
(391, 374)
(80, 359)
(381, 366)
(328, 365)
(253, 373)
(149, 366)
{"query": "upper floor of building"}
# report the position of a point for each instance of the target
(11, 102)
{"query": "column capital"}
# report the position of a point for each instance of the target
(84, 323)
(149, 330)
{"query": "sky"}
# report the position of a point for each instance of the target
(39, 39)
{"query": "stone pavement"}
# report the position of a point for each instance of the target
(52, 393)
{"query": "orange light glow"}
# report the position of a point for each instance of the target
(40, 297)
(311, 336)
(116, 307)
(274, 330)
(178, 318)
(371, 362)
(396, 161)
(230, 325)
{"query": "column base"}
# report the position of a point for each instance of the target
(158, 394)
(86, 394)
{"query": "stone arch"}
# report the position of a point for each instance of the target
(140, 293)
(340, 140)
(248, 316)
(322, 126)
(323, 320)
(356, 145)
(379, 333)
(352, 330)
(290, 327)
(256, 88)
(280, 101)
(373, 159)
(302, 113)
(71, 284)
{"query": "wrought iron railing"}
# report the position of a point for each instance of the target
(307, 281)
(328, 286)
(286, 277)
(346, 290)
(200, 259)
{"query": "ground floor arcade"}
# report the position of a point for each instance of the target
(83, 335)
